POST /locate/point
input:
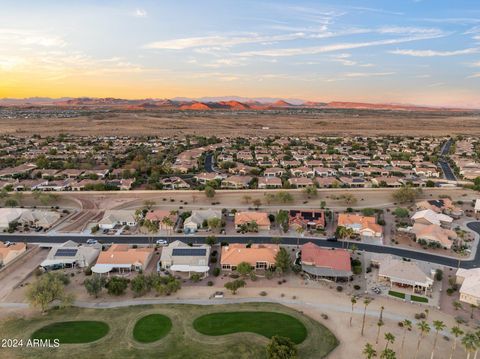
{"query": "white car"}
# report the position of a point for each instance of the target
(92, 241)
(162, 242)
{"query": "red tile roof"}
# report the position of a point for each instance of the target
(338, 259)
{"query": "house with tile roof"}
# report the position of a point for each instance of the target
(259, 256)
(325, 262)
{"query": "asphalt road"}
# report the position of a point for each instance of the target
(405, 253)
(447, 170)
(209, 163)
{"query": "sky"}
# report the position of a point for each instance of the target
(424, 52)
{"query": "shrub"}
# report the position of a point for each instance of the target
(88, 271)
(356, 287)
(210, 283)
(263, 293)
(339, 288)
(438, 274)
(195, 277)
(324, 316)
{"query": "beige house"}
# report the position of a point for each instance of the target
(469, 279)
(179, 257)
(404, 274)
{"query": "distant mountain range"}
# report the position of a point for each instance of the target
(234, 103)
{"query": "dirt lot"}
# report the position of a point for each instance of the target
(250, 124)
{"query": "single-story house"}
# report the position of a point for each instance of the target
(362, 225)
(180, 257)
(122, 257)
(159, 216)
(198, 218)
(259, 256)
(469, 279)
(434, 233)
(325, 263)
(404, 274)
(269, 182)
(308, 219)
(112, 218)
(427, 216)
(260, 218)
(71, 254)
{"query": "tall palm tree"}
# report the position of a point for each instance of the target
(389, 339)
(456, 331)
(380, 324)
(369, 352)
(366, 302)
(424, 329)
(438, 325)
(353, 300)
(469, 342)
(477, 343)
(407, 325)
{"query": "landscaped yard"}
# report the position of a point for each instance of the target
(267, 324)
(416, 298)
(151, 328)
(396, 294)
(73, 332)
(135, 333)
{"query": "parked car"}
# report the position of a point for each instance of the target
(92, 241)
(218, 295)
(8, 243)
(162, 242)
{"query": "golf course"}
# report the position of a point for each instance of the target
(170, 331)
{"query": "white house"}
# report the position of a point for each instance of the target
(198, 217)
(113, 218)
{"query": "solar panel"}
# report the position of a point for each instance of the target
(194, 252)
(64, 252)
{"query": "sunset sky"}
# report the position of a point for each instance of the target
(404, 51)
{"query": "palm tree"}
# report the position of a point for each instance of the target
(438, 325)
(380, 323)
(366, 302)
(388, 354)
(389, 338)
(407, 325)
(469, 341)
(353, 300)
(424, 329)
(456, 331)
(457, 305)
(477, 343)
(369, 352)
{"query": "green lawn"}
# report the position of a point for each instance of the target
(267, 324)
(416, 298)
(396, 294)
(73, 332)
(151, 328)
(182, 341)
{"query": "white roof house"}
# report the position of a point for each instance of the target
(8, 215)
(470, 285)
(71, 254)
(112, 218)
(428, 216)
(197, 218)
(404, 273)
(35, 217)
(180, 257)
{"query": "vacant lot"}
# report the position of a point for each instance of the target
(183, 341)
(251, 124)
